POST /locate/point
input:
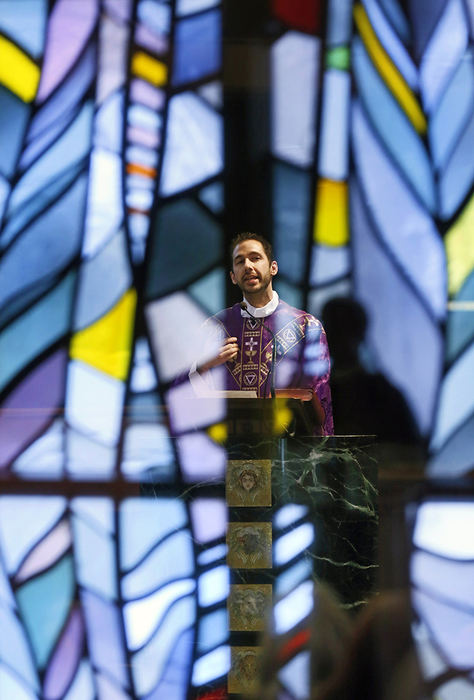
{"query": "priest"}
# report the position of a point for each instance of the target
(266, 343)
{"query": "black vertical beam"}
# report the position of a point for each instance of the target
(246, 82)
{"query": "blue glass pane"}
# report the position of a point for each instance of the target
(455, 458)
(391, 42)
(437, 574)
(66, 97)
(291, 293)
(396, 131)
(12, 687)
(174, 682)
(292, 609)
(213, 586)
(155, 15)
(443, 52)
(396, 16)
(213, 197)
(288, 546)
(103, 280)
(35, 148)
(149, 664)
(197, 47)
(339, 22)
(14, 116)
(185, 243)
(460, 324)
(82, 687)
(392, 304)
(209, 291)
(94, 553)
(424, 15)
(296, 675)
(292, 190)
(213, 630)
(109, 123)
(328, 264)
(18, 536)
(211, 666)
(456, 401)
(452, 112)
(293, 576)
(26, 27)
(14, 649)
(72, 147)
(36, 330)
(38, 203)
(43, 249)
(333, 152)
(44, 603)
(172, 559)
(457, 179)
(146, 522)
(402, 223)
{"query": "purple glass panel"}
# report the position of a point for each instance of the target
(151, 41)
(105, 636)
(65, 661)
(70, 26)
(174, 681)
(209, 517)
(200, 457)
(31, 406)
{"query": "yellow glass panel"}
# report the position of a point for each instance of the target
(459, 243)
(106, 344)
(388, 71)
(148, 68)
(17, 71)
(331, 225)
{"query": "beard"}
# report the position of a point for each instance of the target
(263, 284)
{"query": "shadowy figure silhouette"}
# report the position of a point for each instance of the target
(364, 403)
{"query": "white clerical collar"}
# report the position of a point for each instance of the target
(261, 311)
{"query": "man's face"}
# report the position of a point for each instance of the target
(252, 271)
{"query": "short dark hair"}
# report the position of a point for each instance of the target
(247, 236)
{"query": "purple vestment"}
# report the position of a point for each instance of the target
(302, 353)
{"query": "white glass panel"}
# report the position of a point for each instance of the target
(149, 663)
(104, 214)
(144, 615)
(99, 512)
(209, 516)
(185, 7)
(145, 523)
(24, 520)
(194, 144)
(289, 514)
(295, 675)
(294, 542)
(294, 608)
(328, 264)
(445, 50)
(45, 457)
(213, 665)
(294, 100)
(82, 687)
(146, 446)
(333, 155)
(94, 403)
(446, 528)
(88, 459)
(95, 559)
(213, 586)
(170, 560)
